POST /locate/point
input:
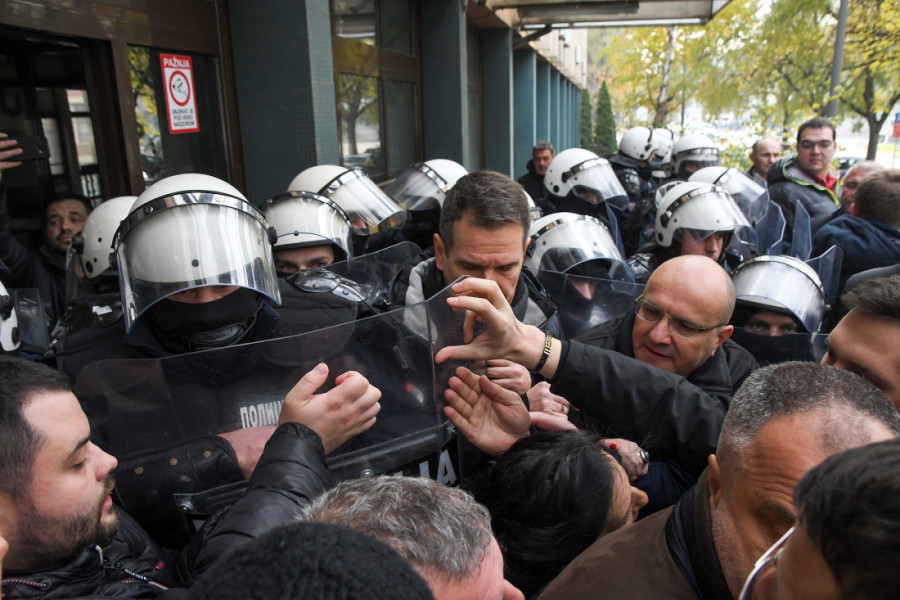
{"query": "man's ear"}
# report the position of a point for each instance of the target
(439, 252)
(714, 482)
(853, 209)
(723, 335)
(527, 243)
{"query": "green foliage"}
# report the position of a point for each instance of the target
(605, 126)
(587, 130)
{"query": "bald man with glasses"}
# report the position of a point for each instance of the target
(662, 375)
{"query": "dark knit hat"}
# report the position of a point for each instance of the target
(311, 561)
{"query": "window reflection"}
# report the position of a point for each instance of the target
(145, 110)
(360, 109)
(400, 103)
(355, 20)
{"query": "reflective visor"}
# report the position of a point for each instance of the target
(595, 181)
(418, 188)
(781, 283)
(707, 209)
(186, 241)
(370, 210)
(750, 196)
(576, 243)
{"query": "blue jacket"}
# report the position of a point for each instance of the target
(867, 244)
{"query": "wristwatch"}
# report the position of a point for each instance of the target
(645, 456)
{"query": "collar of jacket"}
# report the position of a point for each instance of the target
(690, 540)
(794, 173)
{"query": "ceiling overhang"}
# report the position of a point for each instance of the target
(561, 14)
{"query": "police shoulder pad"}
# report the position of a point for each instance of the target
(320, 280)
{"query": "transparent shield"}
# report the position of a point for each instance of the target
(161, 418)
(585, 302)
(770, 230)
(801, 240)
(828, 266)
(594, 181)
(377, 271)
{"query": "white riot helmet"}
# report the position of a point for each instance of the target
(750, 196)
(189, 231)
(782, 284)
(533, 209)
(423, 186)
(566, 242)
(94, 244)
(638, 143)
(304, 219)
(701, 207)
(370, 210)
(691, 153)
(9, 323)
(587, 175)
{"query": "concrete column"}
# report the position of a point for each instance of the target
(497, 78)
(524, 118)
(285, 92)
(444, 79)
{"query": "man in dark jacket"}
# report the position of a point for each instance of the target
(784, 420)
(44, 268)
(533, 181)
(870, 234)
(66, 538)
(692, 288)
(807, 178)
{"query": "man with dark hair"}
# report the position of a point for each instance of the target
(67, 539)
(807, 178)
(865, 339)
(44, 268)
(533, 181)
(844, 544)
(442, 531)
(763, 154)
(870, 234)
(784, 420)
(484, 233)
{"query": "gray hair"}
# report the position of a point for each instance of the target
(439, 529)
(543, 145)
(799, 387)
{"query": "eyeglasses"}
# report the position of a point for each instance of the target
(767, 561)
(822, 144)
(681, 327)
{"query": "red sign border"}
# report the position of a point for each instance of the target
(193, 97)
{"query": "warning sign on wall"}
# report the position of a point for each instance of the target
(178, 76)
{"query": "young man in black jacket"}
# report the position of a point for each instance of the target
(67, 539)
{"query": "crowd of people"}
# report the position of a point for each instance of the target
(641, 376)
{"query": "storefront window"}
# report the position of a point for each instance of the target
(360, 124)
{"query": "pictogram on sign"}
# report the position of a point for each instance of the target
(181, 103)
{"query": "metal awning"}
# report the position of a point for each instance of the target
(541, 14)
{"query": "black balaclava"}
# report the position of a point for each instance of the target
(181, 327)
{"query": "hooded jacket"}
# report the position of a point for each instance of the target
(789, 185)
(867, 244)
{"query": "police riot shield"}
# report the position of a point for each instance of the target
(772, 349)
(162, 417)
(29, 306)
(828, 266)
(770, 230)
(585, 302)
(801, 240)
(375, 272)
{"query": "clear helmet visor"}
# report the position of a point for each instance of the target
(570, 243)
(594, 181)
(749, 195)
(781, 283)
(369, 209)
(418, 188)
(707, 209)
(182, 242)
(303, 219)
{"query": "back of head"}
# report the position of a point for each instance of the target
(879, 297)
(700, 276)
(311, 561)
(549, 497)
(878, 197)
(850, 509)
(20, 381)
(488, 200)
(791, 388)
(440, 530)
